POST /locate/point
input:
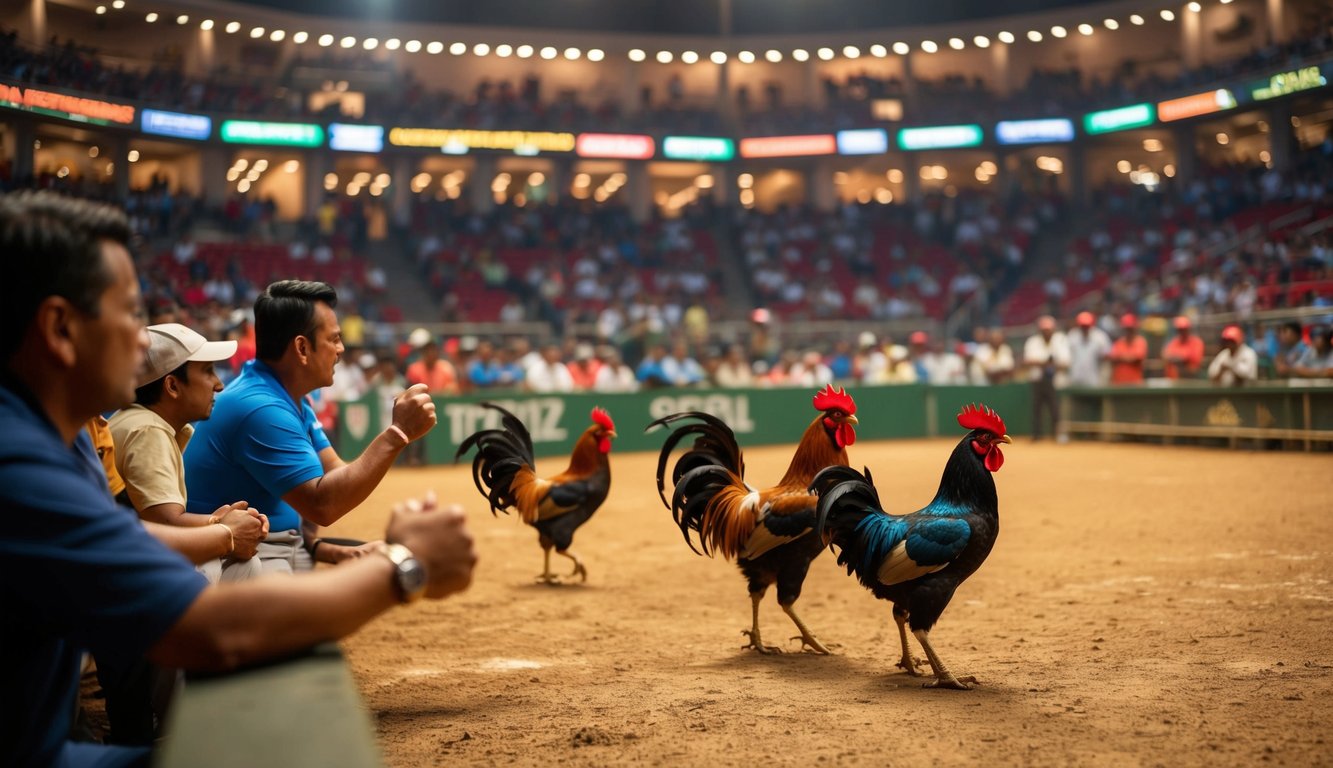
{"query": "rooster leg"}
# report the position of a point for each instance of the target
(757, 642)
(907, 663)
(546, 576)
(579, 569)
(943, 677)
(808, 640)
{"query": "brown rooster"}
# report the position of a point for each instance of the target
(770, 532)
(504, 472)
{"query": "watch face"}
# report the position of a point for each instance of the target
(412, 578)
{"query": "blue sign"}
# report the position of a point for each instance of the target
(867, 141)
(1053, 130)
(347, 137)
(176, 124)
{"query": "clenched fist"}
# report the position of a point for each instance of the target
(439, 539)
(414, 412)
(248, 527)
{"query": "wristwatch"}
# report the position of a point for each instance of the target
(409, 576)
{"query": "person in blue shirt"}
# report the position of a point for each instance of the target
(265, 445)
(77, 571)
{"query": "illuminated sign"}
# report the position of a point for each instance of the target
(869, 141)
(1034, 131)
(701, 148)
(789, 146)
(346, 137)
(1193, 106)
(1121, 119)
(1283, 83)
(940, 137)
(274, 134)
(176, 124)
(69, 107)
(617, 145)
(458, 141)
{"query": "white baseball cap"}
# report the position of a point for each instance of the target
(172, 344)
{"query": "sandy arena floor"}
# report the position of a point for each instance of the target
(1143, 606)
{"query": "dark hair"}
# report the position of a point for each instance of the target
(285, 310)
(1294, 326)
(151, 393)
(52, 246)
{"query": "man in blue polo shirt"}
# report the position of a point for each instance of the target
(264, 443)
(78, 572)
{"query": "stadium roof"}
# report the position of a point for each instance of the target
(677, 17)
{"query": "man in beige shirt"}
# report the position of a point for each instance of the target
(177, 387)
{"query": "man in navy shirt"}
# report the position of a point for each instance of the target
(264, 443)
(79, 573)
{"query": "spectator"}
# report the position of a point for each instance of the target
(437, 374)
(1317, 362)
(1236, 363)
(1128, 353)
(994, 358)
(734, 371)
(680, 368)
(387, 384)
(79, 572)
(265, 445)
(1290, 349)
(870, 365)
(548, 373)
(614, 375)
(585, 367)
(1183, 354)
(1089, 347)
(650, 373)
(1046, 357)
(810, 371)
(484, 370)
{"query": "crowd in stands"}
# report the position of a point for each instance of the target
(527, 104)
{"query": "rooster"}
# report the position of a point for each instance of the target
(770, 532)
(556, 507)
(916, 561)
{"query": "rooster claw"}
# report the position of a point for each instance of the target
(954, 683)
(812, 644)
(910, 666)
(756, 643)
(549, 579)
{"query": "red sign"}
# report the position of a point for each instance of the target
(789, 146)
(63, 105)
(615, 145)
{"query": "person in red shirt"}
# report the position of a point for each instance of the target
(432, 370)
(1128, 353)
(1183, 354)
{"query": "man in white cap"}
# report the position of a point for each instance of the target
(1236, 363)
(175, 388)
(1046, 357)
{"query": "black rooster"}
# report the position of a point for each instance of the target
(918, 560)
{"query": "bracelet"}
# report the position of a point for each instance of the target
(399, 431)
(231, 537)
(314, 547)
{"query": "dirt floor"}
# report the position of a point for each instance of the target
(1144, 605)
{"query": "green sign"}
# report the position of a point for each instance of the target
(939, 137)
(707, 149)
(1122, 119)
(1283, 83)
(272, 134)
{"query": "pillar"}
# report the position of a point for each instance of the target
(317, 165)
(639, 191)
(118, 151)
(822, 195)
(999, 61)
(38, 18)
(400, 203)
(479, 195)
(1277, 28)
(1191, 39)
(1282, 146)
(25, 133)
(724, 185)
(1187, 155)
(1077, 168)
(213, 165)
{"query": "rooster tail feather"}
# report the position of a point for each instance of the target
(710, 502)
(845, 498)
(715, 445)
(502, 456)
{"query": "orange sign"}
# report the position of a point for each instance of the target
(789, 146)
(1193, 106)
(66, 106)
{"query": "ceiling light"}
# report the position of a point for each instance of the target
(206, 24)
(1005, 37)
(300, 37)
(277, 35)
(573, 54)
(1059, 31)
(981, 41)
(392, 44)
(548, 52)
(637, 54)
(929, 46)
(150, 18)
(257, 32)
(957, 43)
(233, 27)
(347, 42)
(1085, 29)
(458, 49)
(325, 41)
(1034, 36)
(182, 19)
(481, 49)
(1111, 24)
(596, 54)
(851, 51)
(1168, 14)
(745, 57)
(718, 57)
(878, 51)
(664, 57)
(1136, 19)
(525, 52)
(902, 49)
(435, 47)
(412, 46)
(689, 57)
(773, 56)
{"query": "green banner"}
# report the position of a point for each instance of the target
(758, 416)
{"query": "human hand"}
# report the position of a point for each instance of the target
(439, 539)
(248, 527)
(414, 412)
(337, 553)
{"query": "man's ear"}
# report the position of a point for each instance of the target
(171, 386)
(58, 325)
(302, 348)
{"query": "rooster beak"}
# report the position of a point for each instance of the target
(612, 433)
(851, 420)
(1005, 439)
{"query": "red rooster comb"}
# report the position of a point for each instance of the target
(834, 399)
(603, 418)
(981, 417)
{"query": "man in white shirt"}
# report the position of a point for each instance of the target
(1236, 363)
(1088, 348)
(549, 374)
(1046, 357)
